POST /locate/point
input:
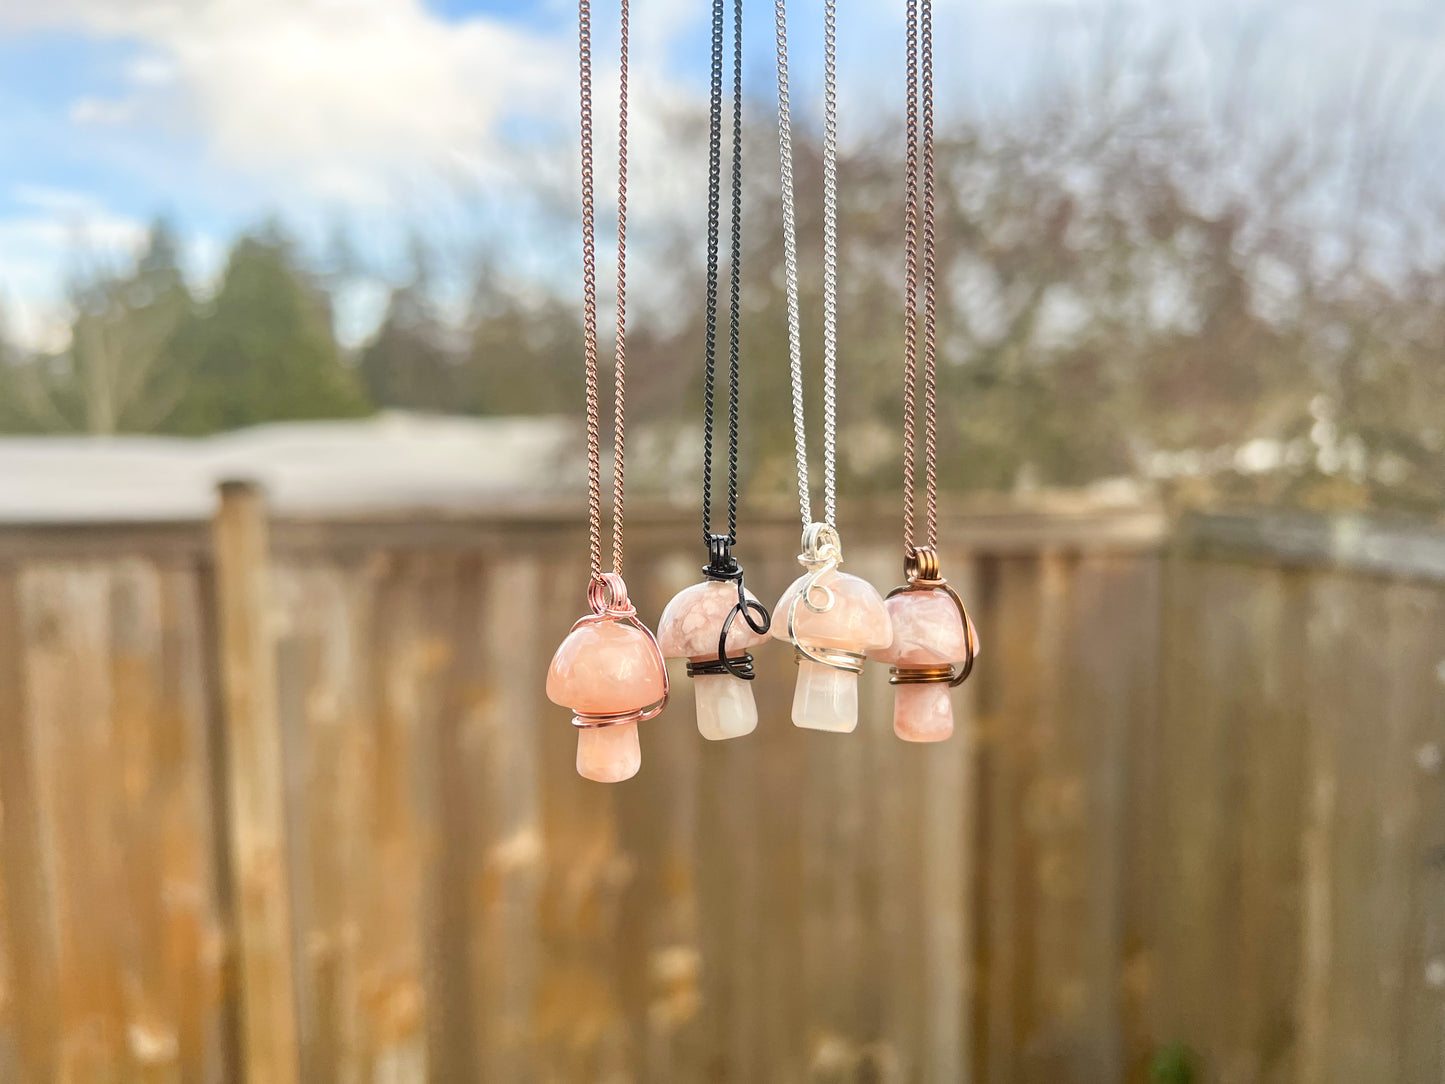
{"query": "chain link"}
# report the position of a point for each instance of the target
(830, 261)
(930, 278)
(589, 290)
(714, 203)
(735, 284)
(589, 293)
(920, 205)
(714, 199)
(790, 264)
(619, 383)
(910, 279)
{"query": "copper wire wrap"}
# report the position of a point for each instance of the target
(589, 317)
(920, 562)
(924, 575)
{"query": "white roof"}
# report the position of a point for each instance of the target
(391, 462)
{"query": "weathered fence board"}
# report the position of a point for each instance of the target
(260, 856)
(1196, 800)
(113, 908)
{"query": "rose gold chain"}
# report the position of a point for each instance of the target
(589, 310)
(930, 278)
(910, 280)
(589, 304)
(619, 457)
(919, 205)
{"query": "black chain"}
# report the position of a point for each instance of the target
(714, 214)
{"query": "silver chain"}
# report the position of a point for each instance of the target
(830, 262)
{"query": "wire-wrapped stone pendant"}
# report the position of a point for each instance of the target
(610, 672)
(833, 620)
(701, 624)
(933, 650)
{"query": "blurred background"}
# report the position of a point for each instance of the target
(280, 796)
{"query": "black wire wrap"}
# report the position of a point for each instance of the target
(723, 566)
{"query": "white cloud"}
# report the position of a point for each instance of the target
(343, 101)
(54, 226)
(379, 111)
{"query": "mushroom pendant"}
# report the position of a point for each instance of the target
(714, 625)
(610, 672)
(833, 620)
(933, 650)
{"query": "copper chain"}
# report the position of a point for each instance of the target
(919, 210)
(589, 312)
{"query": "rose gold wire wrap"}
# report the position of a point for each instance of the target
(920, 562)
(607, 595)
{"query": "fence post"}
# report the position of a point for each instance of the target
(268, 1047)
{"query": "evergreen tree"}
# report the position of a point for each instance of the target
(526, 354)
(119, 373)
(265, 350)
(409, 363)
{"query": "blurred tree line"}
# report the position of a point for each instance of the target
(1125, 293)
(148, 356)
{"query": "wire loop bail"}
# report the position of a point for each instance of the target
(607, 595)
(821, 545)
(921, 567)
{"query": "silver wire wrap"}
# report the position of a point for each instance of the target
(830, 262)
(822, 553)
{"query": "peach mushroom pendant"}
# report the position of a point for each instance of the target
(610, 672)
(713, 625)
(933, 650)
(833, 620)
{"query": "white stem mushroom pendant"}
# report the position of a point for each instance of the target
(833, 620)
(610, 672)
(933, 650)
(714, 625)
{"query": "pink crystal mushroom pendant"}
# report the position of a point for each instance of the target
(833, 620)
(713, 625)
(931, 632)
(610, 672)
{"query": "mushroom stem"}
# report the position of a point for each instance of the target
(608, 754)
(725, 706)
(923, 713)
(826, 698)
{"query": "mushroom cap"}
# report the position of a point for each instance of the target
(857, 620)
(605, 667)
(927, 630)
(692, 622)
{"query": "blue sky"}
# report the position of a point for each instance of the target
(451, 117)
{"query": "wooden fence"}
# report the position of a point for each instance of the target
(296, 808)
